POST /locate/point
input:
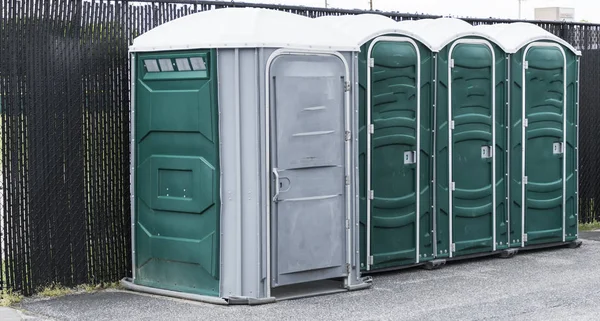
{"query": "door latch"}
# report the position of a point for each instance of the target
(558, 148)
(410, 157)
(486, 151)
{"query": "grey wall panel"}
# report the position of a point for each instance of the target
(263, 56)
(251, 190)
(239, 94)
(352, 59)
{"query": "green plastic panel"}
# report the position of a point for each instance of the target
(545, 98)
(394, 116)
(176, 174)
(472, 83)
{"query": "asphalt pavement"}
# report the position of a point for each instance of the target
(552, 284)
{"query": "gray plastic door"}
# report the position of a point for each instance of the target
(308, 213)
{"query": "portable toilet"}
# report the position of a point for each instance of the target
(544, 118)
(470, 157)
(243, 188)
(396, 94)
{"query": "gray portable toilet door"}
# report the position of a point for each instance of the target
(308, 164)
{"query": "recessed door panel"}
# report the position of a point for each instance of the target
(394, 117)
(308, 152)
(472, 152)
(544, 144)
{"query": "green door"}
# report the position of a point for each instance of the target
(472, 156)
(176, 173)
(395, 97)
(544, 162)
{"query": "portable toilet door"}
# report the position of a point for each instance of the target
(470, 155)
(395, 142)
(399, 146)
(309, 160)
(544, 91)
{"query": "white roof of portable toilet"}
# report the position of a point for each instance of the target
(438, 33)
(243, 28)
(514, 36)
(364, 27)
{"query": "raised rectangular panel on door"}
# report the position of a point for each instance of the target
(472, 169)
(544, 114)
(308, 152)
(394, 109)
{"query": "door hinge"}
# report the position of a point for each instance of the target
(372, 129)
(347, 180)
(346, 86)
(347, 224)
(370, 260)
(451, 63)
(453, 247)
(348, 135)
(371, 194)
(348, 268)
(453, 187)
(371, 62)
(526, 65)
(452, 124)
(525, 180)
(524, 237)
(525, 122)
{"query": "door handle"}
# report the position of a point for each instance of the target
(276, 174)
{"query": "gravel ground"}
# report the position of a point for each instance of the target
(558, 284)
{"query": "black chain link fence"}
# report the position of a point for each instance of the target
(64, 99)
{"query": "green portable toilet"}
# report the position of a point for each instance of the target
(243, 158)
(395, 95)
(470, 143)
(544, 103)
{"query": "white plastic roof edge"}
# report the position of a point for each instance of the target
(363, 28)
(517, 35)
(435, 34)
(441, 32)
(243, 28)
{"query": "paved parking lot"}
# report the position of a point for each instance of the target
(558, 284)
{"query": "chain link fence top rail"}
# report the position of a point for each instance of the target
(64, 99)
